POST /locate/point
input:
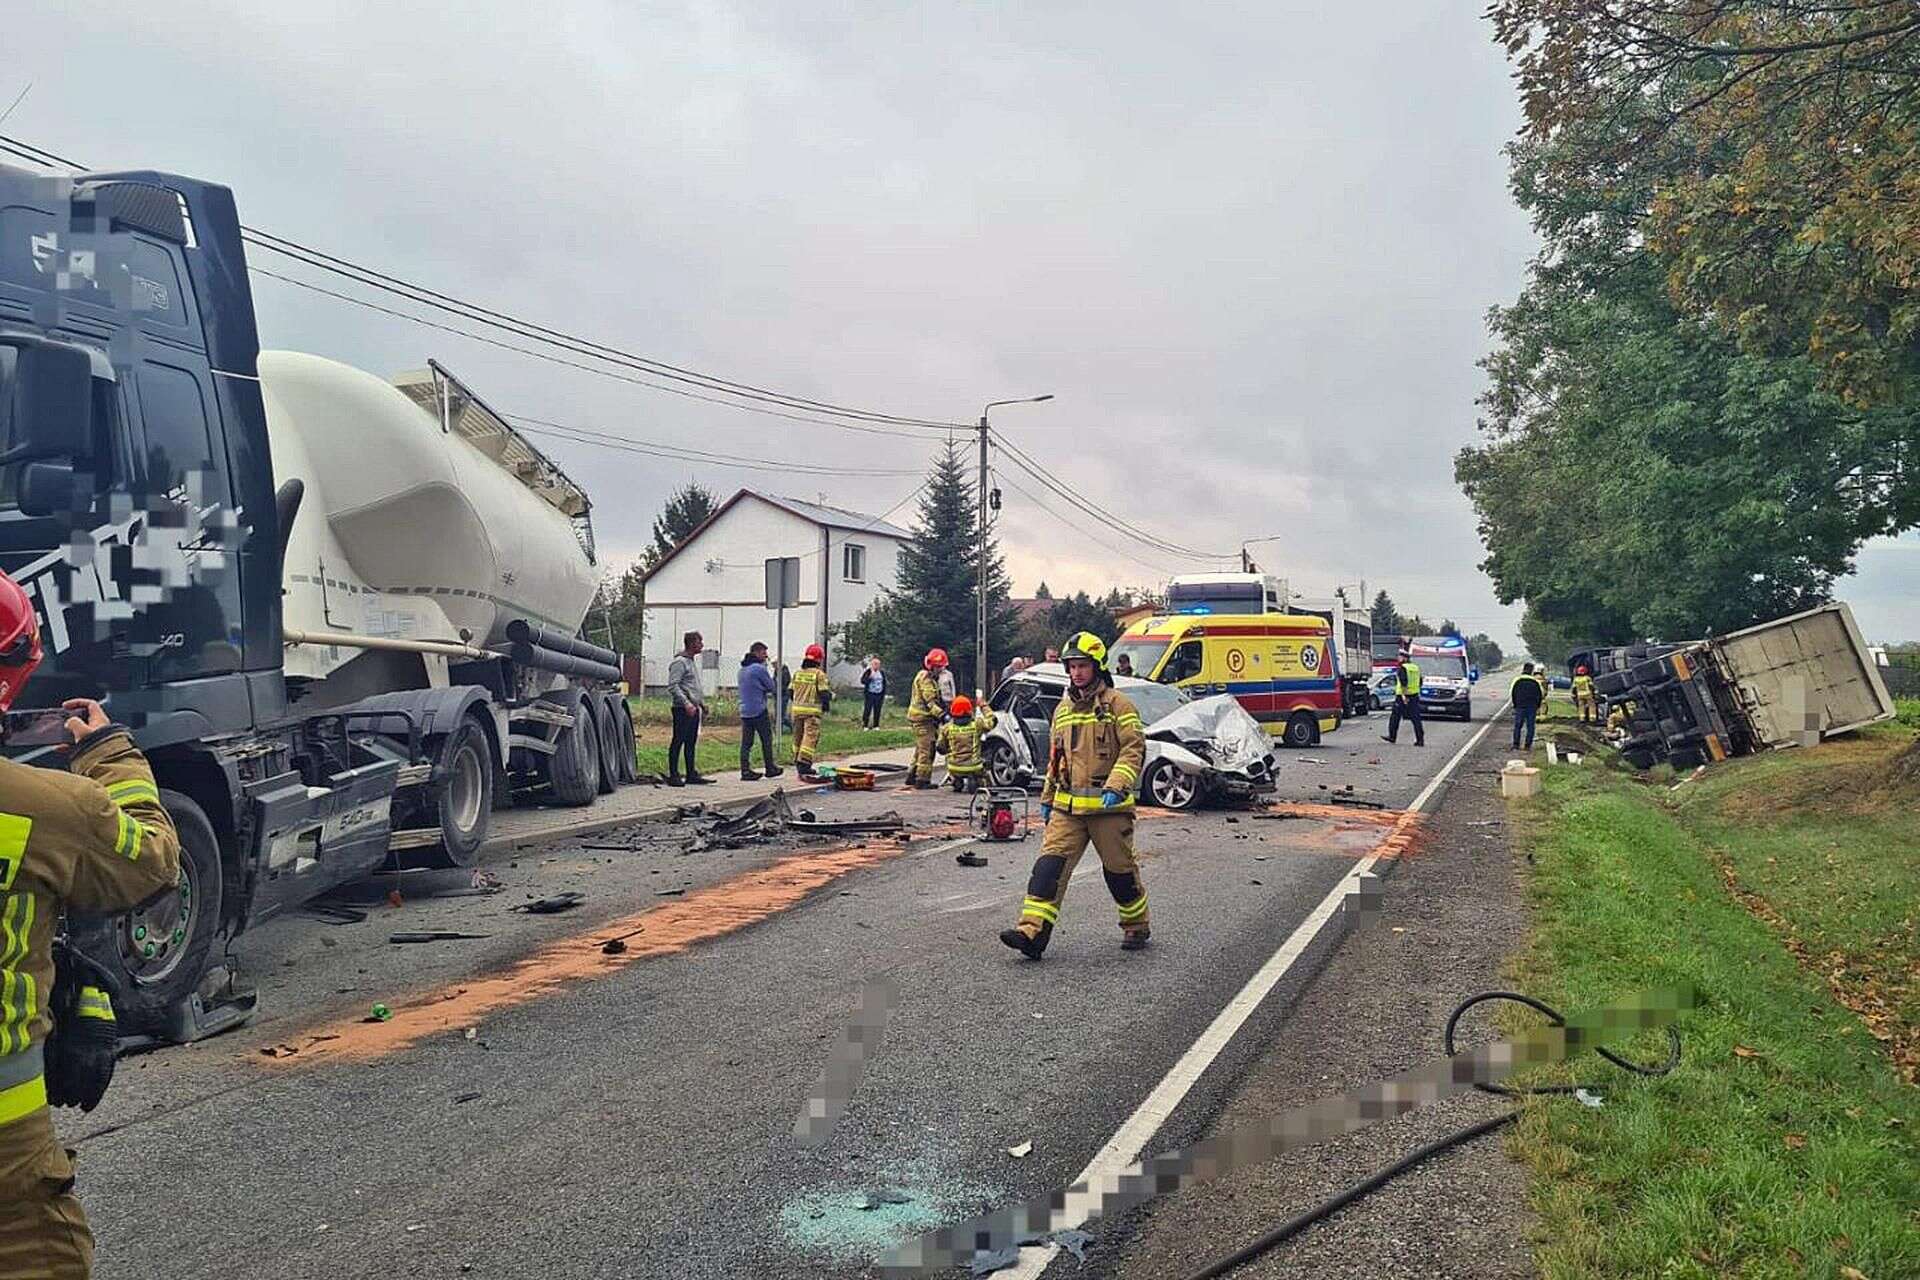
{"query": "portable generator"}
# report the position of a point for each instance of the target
(1001, 813)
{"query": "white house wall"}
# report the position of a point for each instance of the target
(716, 585)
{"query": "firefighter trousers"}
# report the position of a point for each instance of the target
(1066, 838)
(806, 738)
(43, 1230)
(925, 734)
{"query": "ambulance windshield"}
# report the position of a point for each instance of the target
(1141, 652)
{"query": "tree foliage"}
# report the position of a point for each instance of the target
(1483, 652)
(1769, 151)
(1067, 616)
(687, 508)
(1653, 461)
(934, 602)
(1386, 618)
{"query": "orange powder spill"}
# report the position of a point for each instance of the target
(667, 929)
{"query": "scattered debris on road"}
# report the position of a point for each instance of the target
(434, 935)
(551, 906)
(380, 1013)
(458, 1099)
(1022, 1151)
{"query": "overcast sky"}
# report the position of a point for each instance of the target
(1248, 247)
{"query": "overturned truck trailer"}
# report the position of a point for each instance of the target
(1785, 683)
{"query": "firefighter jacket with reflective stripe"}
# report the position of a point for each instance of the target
(1408, 682)
(810, 691)
(925, 702)
(960, 739)
(1097, 744)
(95, 838)
(1583, 686)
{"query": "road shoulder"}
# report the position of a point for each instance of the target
(1453, 912)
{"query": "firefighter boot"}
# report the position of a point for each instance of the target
(1031, 945)
(1135, 939)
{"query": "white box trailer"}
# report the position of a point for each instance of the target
(1801, 678)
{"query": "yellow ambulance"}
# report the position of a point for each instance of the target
(1279, 665)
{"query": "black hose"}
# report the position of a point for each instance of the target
(1293, 1226)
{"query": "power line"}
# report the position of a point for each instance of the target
(422, 295)
(1088, 507)
(573, 364)
(630, 444)
(1092, 537)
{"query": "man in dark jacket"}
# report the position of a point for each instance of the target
(1528, 692)
(756, 712)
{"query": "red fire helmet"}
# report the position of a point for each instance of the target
(19, 640)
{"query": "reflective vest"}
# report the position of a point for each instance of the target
(808, 686)
(925, 704)
(1408, 681)
(960, 739)
(1097, 745)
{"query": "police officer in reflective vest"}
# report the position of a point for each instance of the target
(960, 740)
(95, 838)
(926, 709)
(812, 697)
(1095, 753)
(1406, 700)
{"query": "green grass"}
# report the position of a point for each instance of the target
(718, 751)
(1784, 1145)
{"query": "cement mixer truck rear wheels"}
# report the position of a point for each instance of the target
(606, 723)
(573, 770)
(629, 741)
(463, 793)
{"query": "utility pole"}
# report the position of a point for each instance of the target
(980, 620)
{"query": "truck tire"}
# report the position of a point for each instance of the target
(158, 952)
(606, 725)
(629, 741)
(573, 770)
(462, 794)
(1302, 728)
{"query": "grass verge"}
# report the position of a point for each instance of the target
(1785, 886)
(718, 750)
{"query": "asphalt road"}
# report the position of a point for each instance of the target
(536, 1107)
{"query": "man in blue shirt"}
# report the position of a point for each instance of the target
(756, 715)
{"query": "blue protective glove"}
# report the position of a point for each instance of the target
(1108, 799)
(1046, 813)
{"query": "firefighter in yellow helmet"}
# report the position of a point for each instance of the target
(92, 837)
(960, 741)
(812, 698)
(926, 710)
(1095, 753)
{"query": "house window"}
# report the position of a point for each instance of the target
(853, 562)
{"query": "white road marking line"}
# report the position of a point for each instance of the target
(1124, 1148)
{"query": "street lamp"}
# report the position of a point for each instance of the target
(1246, 561)
(980, 629)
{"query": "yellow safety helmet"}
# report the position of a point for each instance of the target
(1085, 644)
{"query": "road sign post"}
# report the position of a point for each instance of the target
(783, 592)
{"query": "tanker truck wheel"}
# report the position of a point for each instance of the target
(159, 951)
(629, 741)
(573, 770)
(606, 724)
(463, 794)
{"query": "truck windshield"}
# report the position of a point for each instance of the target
(1142, 652)
(1220, 597)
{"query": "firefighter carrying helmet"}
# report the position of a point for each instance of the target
(1085, 644)
(20, 650)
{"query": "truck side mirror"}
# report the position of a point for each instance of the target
(46, 399)
(46, 488)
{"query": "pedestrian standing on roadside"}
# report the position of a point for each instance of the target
(1406, 700)
(1528, 693)
(873, 683)
(756, 712)
(689, 709)
(783, 679)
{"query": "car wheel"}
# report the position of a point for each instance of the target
(1000, 765)
(1170, 788)
(1302, 729)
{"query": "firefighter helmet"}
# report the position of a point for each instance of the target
(962, 706)
(20, 649)
(815, 653)
(1580, 670)
(936, 658)
(1085, 644)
